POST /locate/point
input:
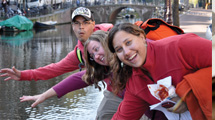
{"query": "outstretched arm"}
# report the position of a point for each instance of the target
(39, 98)
(11, 74)
(68, 64)
(71, 83)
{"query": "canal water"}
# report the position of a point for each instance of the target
(33, 49)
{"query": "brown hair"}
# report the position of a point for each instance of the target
(121, 73)
(94, 71)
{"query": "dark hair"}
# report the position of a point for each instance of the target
(121, 73)
(94, 71)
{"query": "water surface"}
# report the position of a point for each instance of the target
(33, 49)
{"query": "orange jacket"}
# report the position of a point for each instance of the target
(196, 91)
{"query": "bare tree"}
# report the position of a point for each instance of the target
(52, 3)
(168, 11)
(213, 23)
(24, 4)
(175, 12)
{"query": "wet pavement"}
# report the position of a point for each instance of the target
(196, 20)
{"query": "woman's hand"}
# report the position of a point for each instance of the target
(11, 74)
(39, 98)
(179, 107)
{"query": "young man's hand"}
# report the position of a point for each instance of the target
(11, 74)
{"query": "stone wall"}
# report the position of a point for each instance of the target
(62, 17)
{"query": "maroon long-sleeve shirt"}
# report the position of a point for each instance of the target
(174, 56)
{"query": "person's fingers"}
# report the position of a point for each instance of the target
(175, 107)
(6, 79)
(171, 109)
(21, 97)
(17, 73)
(182, 108)
(5, 70)
(4, 75)
(23, 100)
(179, 107)
(35, 104)
(26, 98)
(14, 69)
(35, 98)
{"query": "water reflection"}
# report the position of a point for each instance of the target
(16, 38)
(130, 20)
(31, 52)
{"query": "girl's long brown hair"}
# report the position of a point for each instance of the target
(121, 73)
(94, 71)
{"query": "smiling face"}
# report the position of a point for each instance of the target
(97, 53)
(83, 28)
(130, 49)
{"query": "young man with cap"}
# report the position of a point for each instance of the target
(83, 25)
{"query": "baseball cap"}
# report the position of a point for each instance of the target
(84, 12)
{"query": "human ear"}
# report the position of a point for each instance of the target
(141, 35)
(94, 23)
